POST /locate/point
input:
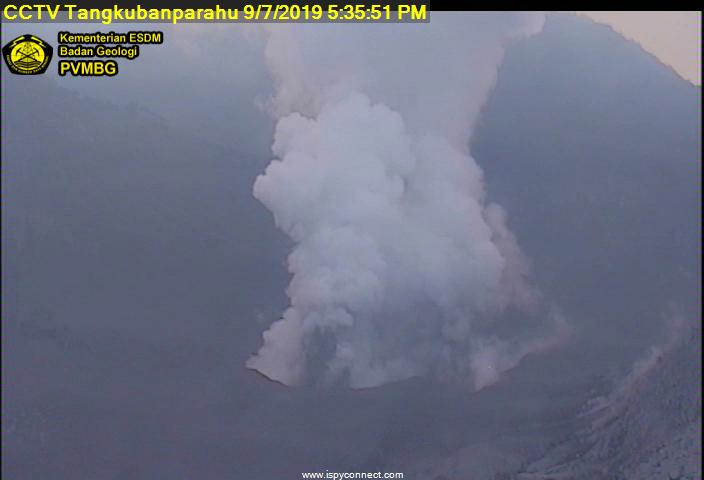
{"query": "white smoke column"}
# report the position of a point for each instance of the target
(399, 263)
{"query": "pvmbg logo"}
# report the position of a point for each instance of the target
(27, 55)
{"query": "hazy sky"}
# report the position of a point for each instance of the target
(674, 37)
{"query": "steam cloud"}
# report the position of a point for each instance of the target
(401, 267)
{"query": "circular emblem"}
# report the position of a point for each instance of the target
(27, 55)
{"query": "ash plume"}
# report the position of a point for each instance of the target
(401, 266)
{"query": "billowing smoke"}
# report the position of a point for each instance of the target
(401, 266)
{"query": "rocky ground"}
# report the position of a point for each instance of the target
(645, 426)
(648, 428)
